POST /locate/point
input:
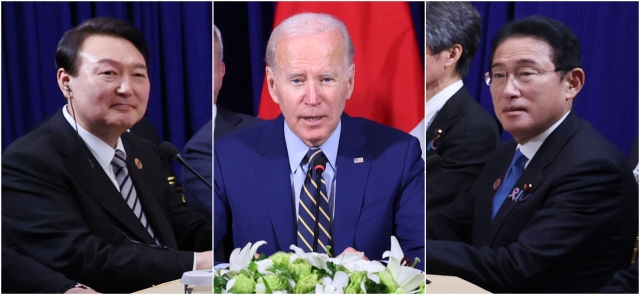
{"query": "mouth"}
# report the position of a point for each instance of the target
(122, 106)
(313, 120)
(514, 110)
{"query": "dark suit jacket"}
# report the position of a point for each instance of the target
(469, 136)
(380, 197)
(60, 208)
(569, 233)
(22, 274)
(228, 121)
(197, 153)
(624, 281)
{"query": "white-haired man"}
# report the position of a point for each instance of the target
(314, 176)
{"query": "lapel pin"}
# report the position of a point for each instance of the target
(358, 160)
(430, 145)
(515, 194)
(496, 184)
(138, 163)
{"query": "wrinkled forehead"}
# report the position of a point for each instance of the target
(323, 47)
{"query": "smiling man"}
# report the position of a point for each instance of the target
(87, 199)
(555, 210)
(316, 177)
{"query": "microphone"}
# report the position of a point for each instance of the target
(170, 151)
(432, 162)
(320, 163)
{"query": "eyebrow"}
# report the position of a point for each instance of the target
(111, 61)
(524, 61)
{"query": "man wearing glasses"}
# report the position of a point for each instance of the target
(555, 209)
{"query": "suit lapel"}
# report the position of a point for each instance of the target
(226, 122)
(84, 168)
(534, 173)
(152, 210)
(439, 128)
(272, 172)
(351, 182)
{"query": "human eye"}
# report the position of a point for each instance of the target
(108, 72)
(498, 75)
(296, 80)
(140, 75)
(327, 79)
(527, 72)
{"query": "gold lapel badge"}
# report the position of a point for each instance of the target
(138, 163)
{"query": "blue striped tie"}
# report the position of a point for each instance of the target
(128, 191)
(314, 222)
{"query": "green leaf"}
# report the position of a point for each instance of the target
(266, 285)
(373, 288)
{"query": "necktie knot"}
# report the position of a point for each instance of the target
(519, 159)
(119, 159)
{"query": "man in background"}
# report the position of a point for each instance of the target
(459, 130)
(198, 150)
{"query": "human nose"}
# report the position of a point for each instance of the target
(125, 87)
(511, 88)
(312, 96)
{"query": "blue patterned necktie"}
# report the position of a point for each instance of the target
(510, 179)
(128, 191)
(314, 223)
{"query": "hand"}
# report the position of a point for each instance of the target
(204, 260)
(81, 291)
(351, 250)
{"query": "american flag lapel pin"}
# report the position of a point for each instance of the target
(358, 160)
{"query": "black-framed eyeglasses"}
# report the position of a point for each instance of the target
(521, 76)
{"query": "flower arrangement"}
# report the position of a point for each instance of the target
(303, 273)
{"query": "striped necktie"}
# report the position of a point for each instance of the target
(314, 223)
(128, 191)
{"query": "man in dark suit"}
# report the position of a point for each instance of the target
(22, 274)
(554, 210)
(198, 150)
(369, 181)
(87, 199)
(459, 130)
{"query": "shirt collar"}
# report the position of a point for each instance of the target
(298, 149)
(530, 148)
(100, 149)
(437, 101)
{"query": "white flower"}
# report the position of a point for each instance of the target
(315, 259)
(367, 266)
(335, 286)
(240, 259)
(408, 278)
(263, 265)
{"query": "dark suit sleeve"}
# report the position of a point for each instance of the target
(197, 154)
(580, 206)
(41, 214)
(22, 274)
(464, 152)
(409, 227)
(221, 216)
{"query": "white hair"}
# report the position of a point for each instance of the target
(305, 24)
(217, 39)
